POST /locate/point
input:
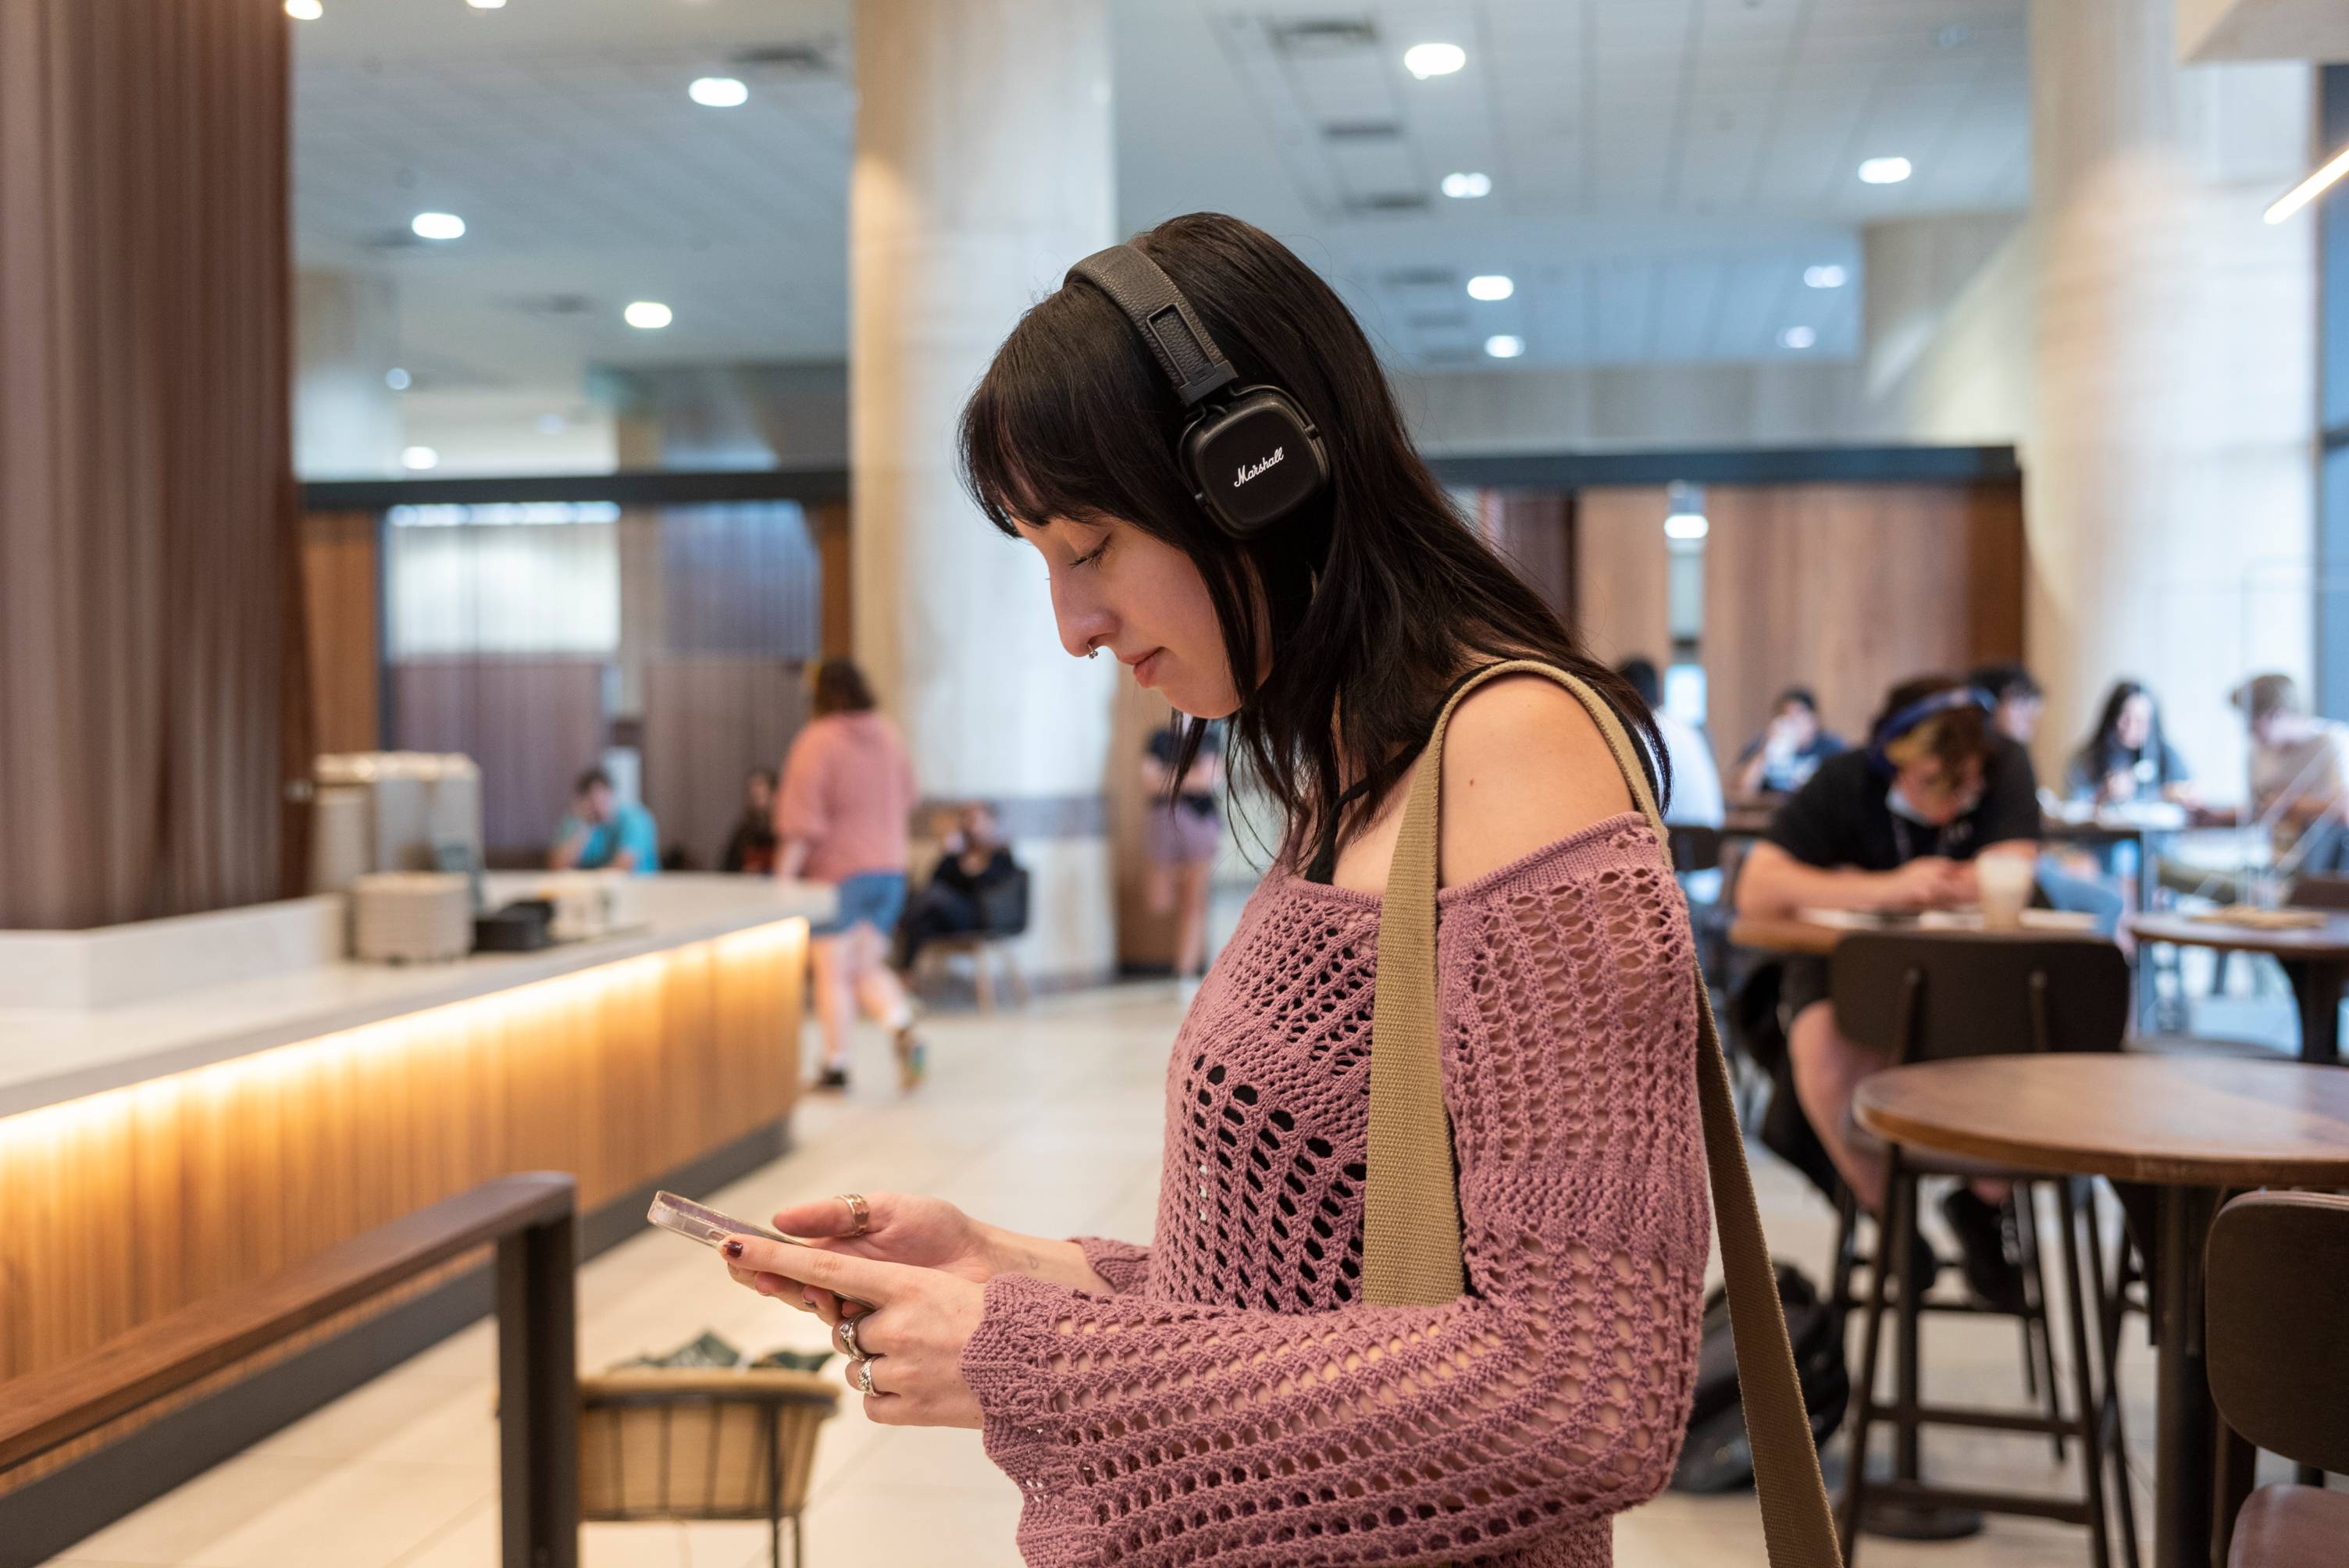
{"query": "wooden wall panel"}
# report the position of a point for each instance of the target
(342, 591)
(835, 560)
(1533, 531)
(708, 723)
(1622, 573)
(129, 1204)
(531, 723)
(1849, 588)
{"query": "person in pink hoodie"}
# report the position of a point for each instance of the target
(841, 818)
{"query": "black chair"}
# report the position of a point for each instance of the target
(1694, 849)
(2279, 1366)
(1935, 997)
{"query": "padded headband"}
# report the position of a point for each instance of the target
(1176, 336)
(1902, 721)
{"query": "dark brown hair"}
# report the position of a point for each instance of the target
(841, 688)
(1370, 602)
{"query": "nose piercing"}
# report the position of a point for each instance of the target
(1092, 653)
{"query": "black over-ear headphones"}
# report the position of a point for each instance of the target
(1900, 723)
(1249, 453)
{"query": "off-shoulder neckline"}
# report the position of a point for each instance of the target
(1578, 841)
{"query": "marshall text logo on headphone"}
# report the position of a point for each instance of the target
(1250, 470)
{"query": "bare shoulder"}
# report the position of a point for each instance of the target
(1524, 766)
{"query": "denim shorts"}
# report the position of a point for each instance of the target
(872, 898)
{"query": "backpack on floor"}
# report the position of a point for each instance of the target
(1716, 1457)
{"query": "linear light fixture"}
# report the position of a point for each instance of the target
(2310, 188)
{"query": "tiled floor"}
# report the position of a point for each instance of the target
(1046, 1120)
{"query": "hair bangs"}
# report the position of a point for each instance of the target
(1070, 421)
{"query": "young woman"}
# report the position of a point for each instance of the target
(1225, 1395)
(1181, 834)
(2127, 760)
(841, 818)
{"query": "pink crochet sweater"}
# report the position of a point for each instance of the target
(1234, 1402)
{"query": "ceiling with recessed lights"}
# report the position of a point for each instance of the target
(1658, 175)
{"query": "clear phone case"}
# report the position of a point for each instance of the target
(706, 1225)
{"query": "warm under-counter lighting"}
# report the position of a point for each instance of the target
(648, 315)
(1886, 171)
(1425, 60)
(305, 10)
(1827, 277)
(438, 226)
(717, 92)
(1505, 346)
(1467, 185)
(1490, 286)
(419, 458)
(2310, 188)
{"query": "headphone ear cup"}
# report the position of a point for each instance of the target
(1254, 459)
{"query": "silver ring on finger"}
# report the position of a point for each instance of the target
(846, 1334)
(864, 1375)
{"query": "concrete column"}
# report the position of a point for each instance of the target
(982, 171)
(346, 340)
(2168, 488)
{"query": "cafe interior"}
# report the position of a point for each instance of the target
(443, 443)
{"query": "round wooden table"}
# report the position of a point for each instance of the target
(2315, 958)
(2189, 1125)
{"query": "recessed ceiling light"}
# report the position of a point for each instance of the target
(648, 314)
(1798, 337)
(419, 458)
(1956, 36)
(1425, 60)
(552, 424)
(1687, 525)
(1490, 286)
(305, 10)
(487, 4)
(1885, 170)
(717, 92)
(1503, 345)
(399, 380)
(1827, 277)
(438, 226)
(1467, 185)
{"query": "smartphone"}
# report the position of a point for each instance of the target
(698, 1222)
(706, 1225)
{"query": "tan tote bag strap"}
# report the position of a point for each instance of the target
(1410, 1242)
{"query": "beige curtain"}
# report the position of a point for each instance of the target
(151, 660)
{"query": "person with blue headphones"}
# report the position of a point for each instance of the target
(1896, 827)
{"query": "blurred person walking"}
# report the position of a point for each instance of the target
(1182, 835)
(841, 818)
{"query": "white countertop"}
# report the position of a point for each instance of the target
(51, 1054)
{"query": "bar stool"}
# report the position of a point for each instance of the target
(1938, 995)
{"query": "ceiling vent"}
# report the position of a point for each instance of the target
(1419, 278)
(1388, 201)
(554, 305)
(806, 59)
(1324, 35)
(1360, 130)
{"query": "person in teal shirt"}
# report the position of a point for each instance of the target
(603, 833)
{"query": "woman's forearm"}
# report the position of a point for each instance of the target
(1054, 1262)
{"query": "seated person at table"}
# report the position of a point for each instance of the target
(603, 832)
(2017, 703)
(1696, 799)
(1781, 758)
(1895, 826)
(954, 902)
(2300, 773)
(2126, 761)
(751, 850)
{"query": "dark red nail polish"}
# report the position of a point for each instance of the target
(733, 1249)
